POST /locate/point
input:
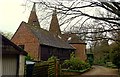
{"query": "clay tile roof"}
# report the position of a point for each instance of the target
(76, 39)
(47, 38)
(72, 38)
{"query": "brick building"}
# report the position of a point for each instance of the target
(41, 44)
(71, 39)
(78, 44)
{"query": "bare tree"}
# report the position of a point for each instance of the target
(6, 34)
(76, 8)
(87, 18)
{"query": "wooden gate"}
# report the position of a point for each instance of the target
(40, 71)
(45, 69)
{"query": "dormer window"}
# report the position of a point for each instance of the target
(69, 38)
(59, 36)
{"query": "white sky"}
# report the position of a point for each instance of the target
(12, 13)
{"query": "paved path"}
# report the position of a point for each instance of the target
(100, 71)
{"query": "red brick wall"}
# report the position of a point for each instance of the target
(23, 36)
(80, 51)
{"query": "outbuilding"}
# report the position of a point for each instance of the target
(12, 60)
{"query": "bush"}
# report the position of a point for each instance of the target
(116, 60)
(110, 64)
(100, 61)
(52, 58)
(75, 64)
(28, 57)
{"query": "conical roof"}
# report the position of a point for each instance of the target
(54, 25)
(33, 20)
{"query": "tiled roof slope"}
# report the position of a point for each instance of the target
(72, 38)
(47, 38)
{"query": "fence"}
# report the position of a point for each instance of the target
(43, 69)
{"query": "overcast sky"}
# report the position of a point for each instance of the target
(12, 14)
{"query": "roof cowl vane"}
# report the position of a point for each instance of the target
(55, 11)
(34, 9)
